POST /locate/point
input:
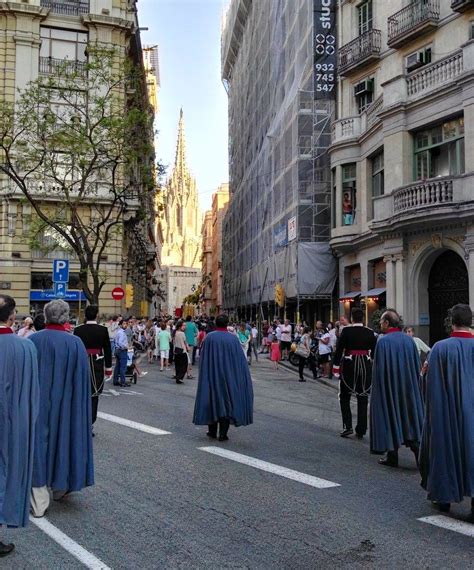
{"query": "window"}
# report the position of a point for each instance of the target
(333, 198)
(418, 59)
(364, 94)
(365, 17)
(439, 151)
(349, 172)
(377, 175)
(63, 44)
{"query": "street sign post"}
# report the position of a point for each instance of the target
(60, 271)
(118, 294)
(60, 290)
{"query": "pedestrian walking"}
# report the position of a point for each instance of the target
(353, 364)
(225, 394)
(27, 328)
(447, 447)
(421, 346)
(63, 451)
(121, 342)
(253, 343)
(163, 342)
(275, 353)
(181, 352)
(396, 409)
(149, 340)
(244, 339)
(191, 332)
(303, 350)
(97, 342)
(285, 339)
(19, 405)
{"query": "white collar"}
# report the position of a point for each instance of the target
(357, 325)
(91, 322)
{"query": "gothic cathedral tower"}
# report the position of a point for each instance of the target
(182, 217)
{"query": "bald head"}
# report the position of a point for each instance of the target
(7, 310)
(390, 319)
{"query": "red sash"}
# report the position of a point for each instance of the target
(55, 328)
(6, 330)
(462, 334)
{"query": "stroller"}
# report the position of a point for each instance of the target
(131, 372)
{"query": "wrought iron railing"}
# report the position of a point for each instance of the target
(67, 7)
(356, 51)
(411, 17)
(428, 193)
(52, 65)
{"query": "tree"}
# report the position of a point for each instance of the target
(77, 144)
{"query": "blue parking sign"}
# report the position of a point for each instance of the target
(60, 290)
(60, 271)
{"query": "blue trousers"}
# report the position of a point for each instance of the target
(120, 366)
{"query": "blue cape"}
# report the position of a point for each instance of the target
(447, 449)
(225, 386)
(63, 453)
(396, 408)
(19, 402)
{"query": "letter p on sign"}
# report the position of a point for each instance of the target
(60, 271)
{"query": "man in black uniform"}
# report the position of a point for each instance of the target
(96, 340)
(353, 363)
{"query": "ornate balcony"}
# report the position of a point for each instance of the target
(49, 65)
(353, 127)
(429, 193)
(415, 19)
(359, 52)
(436, 74)
(67, 7)
(461, 5)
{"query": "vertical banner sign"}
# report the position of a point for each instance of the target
(325, 47)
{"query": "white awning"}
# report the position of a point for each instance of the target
(373, 292)
(349, 296)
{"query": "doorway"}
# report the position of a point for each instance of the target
(448, 285)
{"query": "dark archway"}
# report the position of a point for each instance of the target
(448, 285)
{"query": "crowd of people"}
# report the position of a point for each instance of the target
(52, 375)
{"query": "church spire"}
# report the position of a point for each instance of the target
(180, 159)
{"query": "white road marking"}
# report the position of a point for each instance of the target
(271, 468)
(76, 550)
(450, 524)
(133, 425)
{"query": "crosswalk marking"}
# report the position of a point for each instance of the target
(76, 550)
(450, 524)
(134, 425)
(271, 468)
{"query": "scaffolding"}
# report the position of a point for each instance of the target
(278, 161)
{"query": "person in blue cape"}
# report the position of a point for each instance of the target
(19, 402)
(225, 393)
(447, 446)
(63, 454)
(396, 408)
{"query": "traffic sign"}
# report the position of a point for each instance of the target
(60, 290)
(118, 293)
(60, 271)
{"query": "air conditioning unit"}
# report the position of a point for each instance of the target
(366, 86)
(415, 60)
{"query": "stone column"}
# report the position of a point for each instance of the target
(400, 297)
(469, 247)
(390, 280)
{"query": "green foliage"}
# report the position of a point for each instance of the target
(81, 138)
(376, 315)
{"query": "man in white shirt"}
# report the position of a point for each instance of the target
(324, 348)
(253, 342)
(285, 339)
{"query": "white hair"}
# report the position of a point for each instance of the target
(56, 312)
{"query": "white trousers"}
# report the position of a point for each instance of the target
(41, 499)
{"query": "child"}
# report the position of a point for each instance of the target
(275, 353)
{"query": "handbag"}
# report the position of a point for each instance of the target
(178, 350)
(302, 350)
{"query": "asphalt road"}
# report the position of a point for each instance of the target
(162, 502)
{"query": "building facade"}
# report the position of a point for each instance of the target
(206, 272)
(220, 203)
(277, 227)
(181, 223)
(402, 198)
(37, 37)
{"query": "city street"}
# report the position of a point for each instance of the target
(168, 500)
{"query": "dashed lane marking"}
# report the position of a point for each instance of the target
(134, 425)
(271, 468)
(450, 524)
(76, 550)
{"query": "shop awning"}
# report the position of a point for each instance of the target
(373, 292)
(349, 296)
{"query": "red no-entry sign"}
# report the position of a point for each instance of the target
(118, 293)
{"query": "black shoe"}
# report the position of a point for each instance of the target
(116, 384)
(302, 379)
(211, 435)
(223, 438)
(441, 507)
(388, 462)
(346, 432)
(359, 435)
(179, 382)
(6, 549)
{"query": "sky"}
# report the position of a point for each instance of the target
(188, 35)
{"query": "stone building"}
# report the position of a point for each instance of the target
(36, 37)
(206, 272)
(402, 155)
(181, 223)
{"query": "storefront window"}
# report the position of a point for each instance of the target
(439, 151)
